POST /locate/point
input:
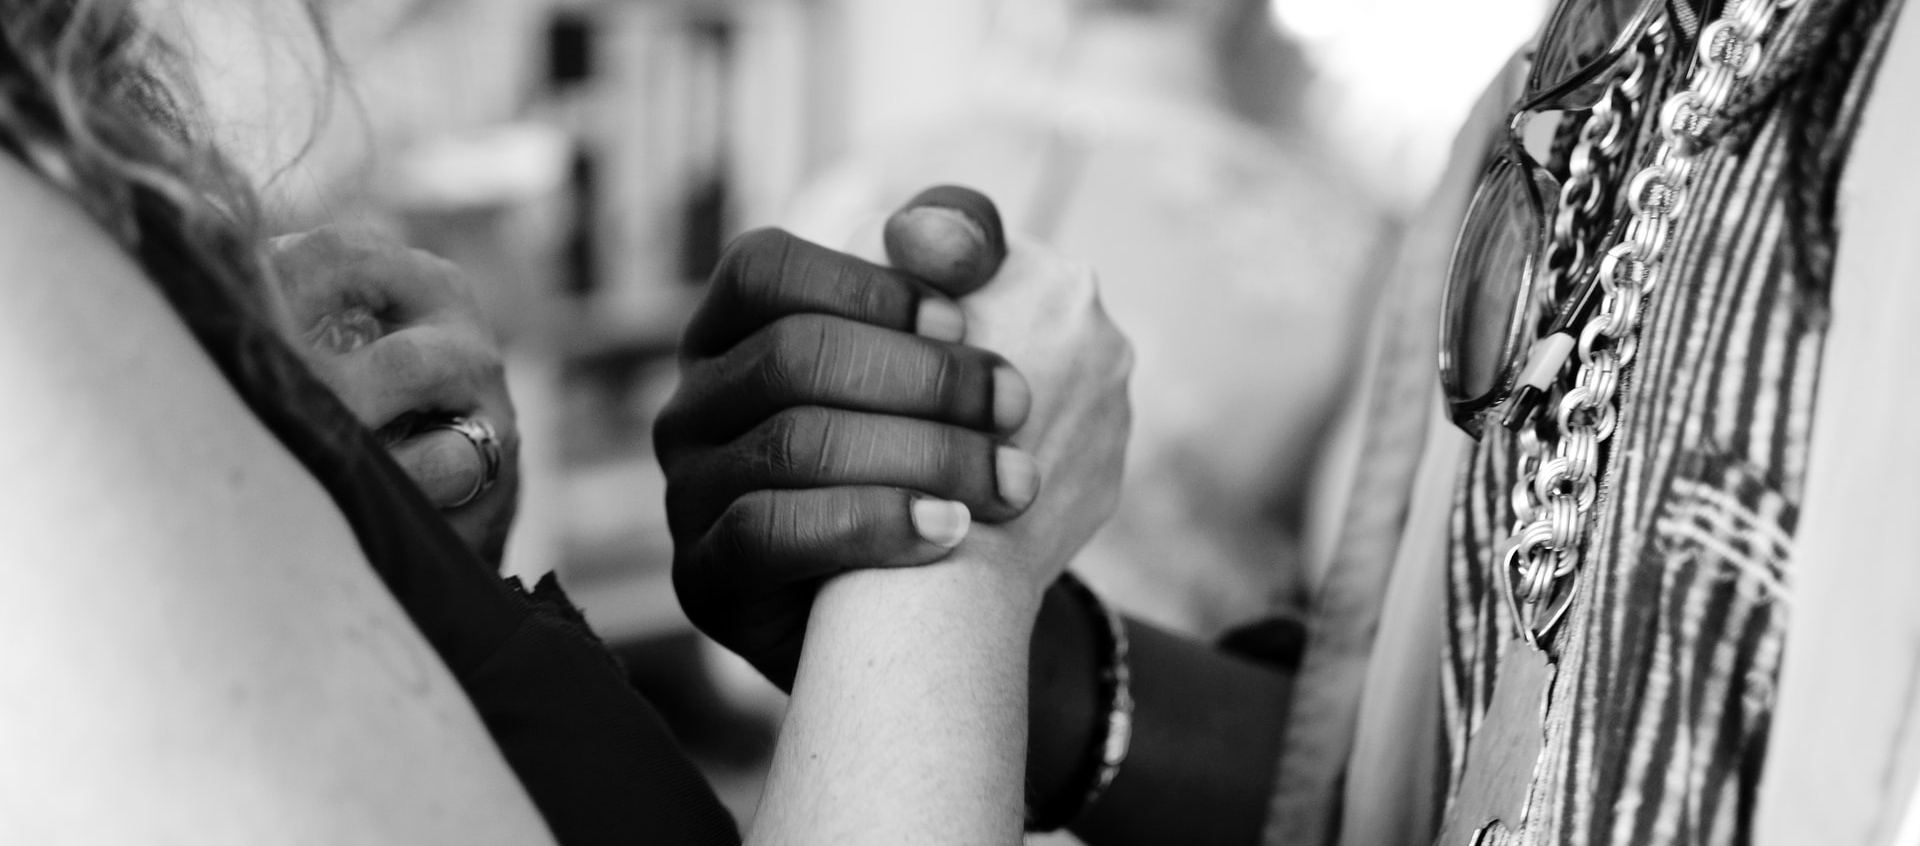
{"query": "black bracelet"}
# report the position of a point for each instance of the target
(1109, 750)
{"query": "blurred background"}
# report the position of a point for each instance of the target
(1234, 170)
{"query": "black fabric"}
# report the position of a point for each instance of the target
(595, 757)
(1276, 642)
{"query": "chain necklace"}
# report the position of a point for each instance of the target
(1560, 457)
(1560, 463)
(1592, 163)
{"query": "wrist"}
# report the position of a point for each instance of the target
(910, 692)
(994, 562)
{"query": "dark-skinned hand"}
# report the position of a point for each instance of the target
(828, 419)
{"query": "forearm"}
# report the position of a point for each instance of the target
(907, 723)
(1206, 733)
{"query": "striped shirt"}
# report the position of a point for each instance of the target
(1667, 662)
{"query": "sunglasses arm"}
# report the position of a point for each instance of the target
(1544, 361)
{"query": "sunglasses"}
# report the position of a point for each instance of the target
(1513, 294)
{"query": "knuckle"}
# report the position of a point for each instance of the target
(402, 353)
(751, 250)
(745, 530)
(794, 444)
(873, 298)
(790, 362)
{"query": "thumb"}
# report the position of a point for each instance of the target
(949, 237)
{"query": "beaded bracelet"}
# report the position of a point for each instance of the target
(1116, 695)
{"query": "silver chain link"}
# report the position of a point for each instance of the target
(1559, 469)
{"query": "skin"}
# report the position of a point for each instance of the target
(370, 741)
(204, 697)
(911, 690)
(773, 428)
(398, 335)
(1208, 727)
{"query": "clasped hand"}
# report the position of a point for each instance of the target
(840, 412)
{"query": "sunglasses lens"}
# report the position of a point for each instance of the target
(1489, 282)
(1579, 35)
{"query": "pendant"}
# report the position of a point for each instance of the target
(1503, 751)
(1545, 604)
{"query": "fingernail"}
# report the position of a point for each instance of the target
(1012, 399)
(941, 320)
(944, 246)
(1018, 476)
(949, 233)
(942, 523)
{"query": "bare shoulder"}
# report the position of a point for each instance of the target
(108, 400)
(206, 652)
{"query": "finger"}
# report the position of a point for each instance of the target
(337, 268)
(344, 331)
(776, 537)
(813, 360)
(419, 370)
(817, 448)
(306, 270)
(949, 237)
(768, 274)
(443, 463)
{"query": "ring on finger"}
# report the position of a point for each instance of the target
(486, 445)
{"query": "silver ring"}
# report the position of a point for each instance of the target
(486, 445)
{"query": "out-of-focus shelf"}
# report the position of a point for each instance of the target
(643, 325)
(616, 553)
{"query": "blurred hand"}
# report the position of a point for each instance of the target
(399, 336)
(829, 420)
